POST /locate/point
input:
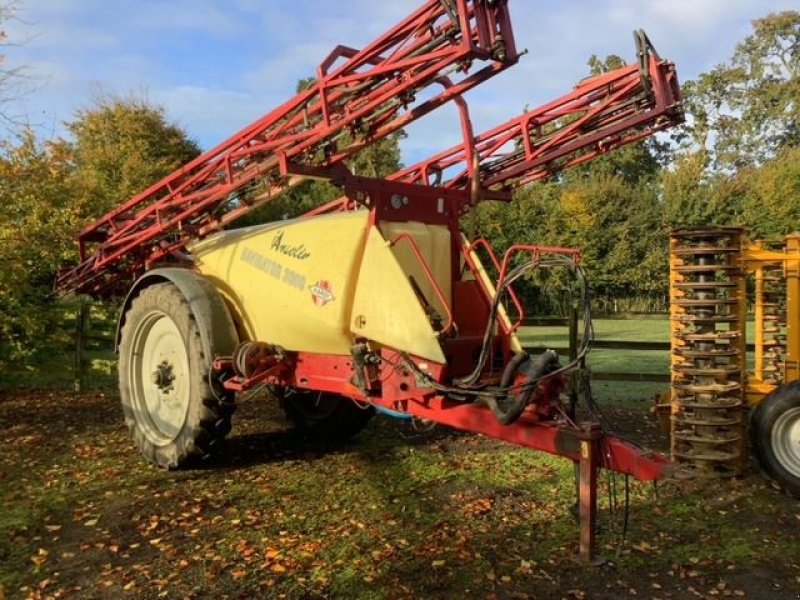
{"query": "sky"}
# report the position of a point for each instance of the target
(217, 65)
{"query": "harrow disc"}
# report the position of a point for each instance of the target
(707, 324)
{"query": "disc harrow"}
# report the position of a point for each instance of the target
(770, 309)
(707, 325)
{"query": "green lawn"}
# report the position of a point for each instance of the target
(619, 360)
(615, 361)
(631, 330)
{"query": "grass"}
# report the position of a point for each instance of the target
(393, 514)
(616, 361)
(57, 372)
(656, 362)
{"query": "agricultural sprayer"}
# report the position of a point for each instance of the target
(379, 300)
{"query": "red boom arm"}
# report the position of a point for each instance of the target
(602, 113)
(358, 98)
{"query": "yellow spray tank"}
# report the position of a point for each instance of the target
(316, 285)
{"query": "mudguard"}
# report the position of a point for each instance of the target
(217, 329)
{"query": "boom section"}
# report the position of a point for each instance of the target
(357, 98)
(601, 114)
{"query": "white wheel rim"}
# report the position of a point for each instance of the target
(159, 376)
(786, 440)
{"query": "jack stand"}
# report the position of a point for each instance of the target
(588, 435)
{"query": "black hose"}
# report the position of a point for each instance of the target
(508, 408)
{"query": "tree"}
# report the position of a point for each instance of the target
(745, 110)
(36, 222)
(694, 197)
(50, 190)
(771, 201)
(610, 208)
(15, 82)
(120, 146)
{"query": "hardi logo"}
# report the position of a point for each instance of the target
(321, 293)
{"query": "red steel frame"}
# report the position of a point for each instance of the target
(601, 114)
(358, 97)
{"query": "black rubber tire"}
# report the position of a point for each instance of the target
(325, 416)
(208, 417)
(763, 422)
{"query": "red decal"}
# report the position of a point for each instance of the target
(321, 293)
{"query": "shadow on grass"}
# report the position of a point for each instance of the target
(375, 445)
(68, 413)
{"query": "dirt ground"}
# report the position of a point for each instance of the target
(395, 513)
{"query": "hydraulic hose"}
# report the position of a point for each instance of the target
(508, 408)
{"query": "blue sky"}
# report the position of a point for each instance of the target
(217, 65)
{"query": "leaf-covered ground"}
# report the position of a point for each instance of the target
(395, 513)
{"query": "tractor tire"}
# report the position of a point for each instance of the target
(775, 436)
(325, 416)
(171, 409)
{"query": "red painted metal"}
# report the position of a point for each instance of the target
(357, 98)
(551, 437)
(400, 391)
(601, 114)
(589, 435)
(474, 267)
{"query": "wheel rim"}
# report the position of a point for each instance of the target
(159, 376)
(786, 440)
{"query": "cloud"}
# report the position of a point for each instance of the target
(283, 71)
(75, 40)
(224, 111)
(186, 16)
(219, 64)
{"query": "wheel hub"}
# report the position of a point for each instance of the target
(163, 377)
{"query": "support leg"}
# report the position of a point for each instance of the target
(587, 494)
